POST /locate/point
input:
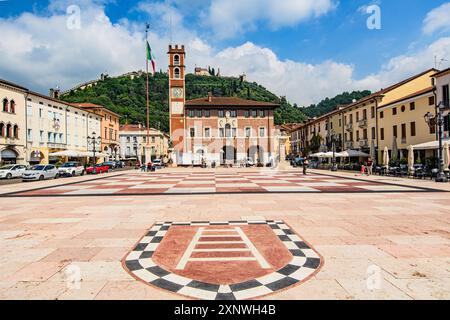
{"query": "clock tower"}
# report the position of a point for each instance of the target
(177, 99)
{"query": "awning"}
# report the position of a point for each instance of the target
(90, 154)
(68, 153)
(318, 155)
(8, 154)
(352, 154)
(432, 145)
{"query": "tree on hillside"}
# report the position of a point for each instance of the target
(328, 104)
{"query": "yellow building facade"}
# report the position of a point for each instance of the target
(374, 122)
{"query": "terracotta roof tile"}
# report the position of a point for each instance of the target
(228, 102)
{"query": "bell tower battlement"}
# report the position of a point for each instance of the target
(177, 95)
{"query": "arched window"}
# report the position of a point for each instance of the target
(177, 73)
(227, 130)
(8, 130)
(2, 129)
(16, 132)
(5, 105)
(12, 107)
(176, 60)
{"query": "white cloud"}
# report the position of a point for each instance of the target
(437, 20)
(40, 52)
(230, 17)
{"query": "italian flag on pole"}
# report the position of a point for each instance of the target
(151, 57)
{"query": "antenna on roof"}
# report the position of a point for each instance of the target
(437, 64)
(170, 30)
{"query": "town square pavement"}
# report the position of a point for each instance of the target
(388, 240)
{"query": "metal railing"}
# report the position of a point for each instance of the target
(363, 143)
(362, 123)
(349, 126)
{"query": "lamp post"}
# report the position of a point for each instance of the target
(333, 147)
(438, 120)
(94, 141)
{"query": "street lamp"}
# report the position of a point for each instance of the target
(438, 120)
(333, 147)
(94, 141)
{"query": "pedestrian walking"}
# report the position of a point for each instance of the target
(305, 165)
(369, 167)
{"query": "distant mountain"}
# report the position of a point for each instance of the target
(126, 96)
(327, 105)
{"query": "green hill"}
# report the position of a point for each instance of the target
(126, 97)
(328, 104)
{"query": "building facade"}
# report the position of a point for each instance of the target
(392, 117)
(109, 130)
(442, 83)
(223, 130)
(133, 140)
(12, 124)
(54, 125)
(34, 126)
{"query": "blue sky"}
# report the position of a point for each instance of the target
(328, 38)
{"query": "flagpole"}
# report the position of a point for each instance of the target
(148, 99)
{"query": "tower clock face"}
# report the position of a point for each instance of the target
(177, 93)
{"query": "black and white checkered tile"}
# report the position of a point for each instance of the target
(305, 262)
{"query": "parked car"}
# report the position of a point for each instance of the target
(40, 172)
(12, 171)
(99, 168)
(157, 164)
(71, 169)
(120, 164)
(249, 162)
(111, 164)
(297, 161)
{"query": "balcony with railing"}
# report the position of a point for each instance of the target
(56, 145)
(349, 126)
(363, 143)
(10, 141)
(349, 145)
(362, 124)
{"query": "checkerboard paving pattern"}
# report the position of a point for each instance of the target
(305, 262)
(209, 183)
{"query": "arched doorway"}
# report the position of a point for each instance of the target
(228, 155)
(8, 156)
(256, 153)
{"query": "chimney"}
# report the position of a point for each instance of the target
(54, 93)
(210, 96)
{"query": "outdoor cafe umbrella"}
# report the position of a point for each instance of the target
(319, 155)
(386, 157)
(446, 156)
(373, 154)
(411, 159)
(394, 149)
(353, 154)
(67, 153)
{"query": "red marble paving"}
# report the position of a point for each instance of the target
(143, 191)
(178, 238)
(221, 246)
(229, 183)
(221, 254)
(211, 185)
(339, 189)
(220, 239)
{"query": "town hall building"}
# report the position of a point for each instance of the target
(221, 130)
